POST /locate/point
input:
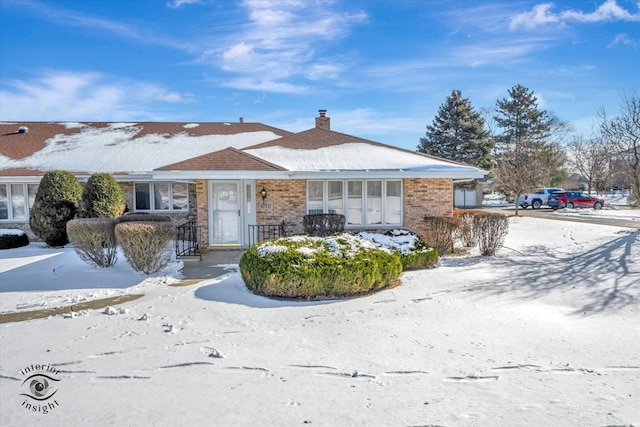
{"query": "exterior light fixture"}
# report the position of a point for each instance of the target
(263, 193)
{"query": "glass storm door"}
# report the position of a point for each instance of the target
(225, 213)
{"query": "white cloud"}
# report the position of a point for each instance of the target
(175, 4)
(542, 14)
(69, 18)
(256, 84)
(625, 40)
(62, 95)
(280, 44)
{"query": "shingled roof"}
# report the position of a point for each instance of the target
(118, 147)
(223, 160)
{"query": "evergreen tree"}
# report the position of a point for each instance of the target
(55, 204)
(457, 133)
(526, 155)
(102, 197)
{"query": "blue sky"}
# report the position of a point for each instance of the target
(380, 68)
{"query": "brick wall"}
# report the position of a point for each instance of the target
(202, 210)
(426, 197)
(289, 200)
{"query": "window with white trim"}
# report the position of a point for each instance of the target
(160, 196)
(16, 201)
(370, 202)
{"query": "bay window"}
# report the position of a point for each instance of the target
(373, 202)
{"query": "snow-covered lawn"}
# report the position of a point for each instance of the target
(545, 333)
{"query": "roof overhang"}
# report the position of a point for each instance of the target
(213, 174)
(469, 174)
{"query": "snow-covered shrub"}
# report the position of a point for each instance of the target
(440, 232)
(102, 197)
(320, 225)
(146, 244)
(94, 240)
(490, 229)
(414, 252)
(11, 238)
(314, 267)
(55, 204)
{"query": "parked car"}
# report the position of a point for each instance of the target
(537, 199)
(574, 199)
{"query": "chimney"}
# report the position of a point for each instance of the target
(323, 122)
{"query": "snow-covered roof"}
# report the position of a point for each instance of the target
(357, 156)
(122, 147)
(198, 150)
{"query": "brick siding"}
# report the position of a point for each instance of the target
(289, 199)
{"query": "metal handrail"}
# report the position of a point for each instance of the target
(188, 239)
(258, 233)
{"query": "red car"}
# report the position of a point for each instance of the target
(574, 199)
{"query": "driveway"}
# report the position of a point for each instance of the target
(548, 213)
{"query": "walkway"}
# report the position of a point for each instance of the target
(215, 262)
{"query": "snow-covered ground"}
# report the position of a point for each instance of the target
(545, 333)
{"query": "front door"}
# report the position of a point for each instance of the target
(225, 208)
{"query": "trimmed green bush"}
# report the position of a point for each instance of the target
(13, 240)
(414, 252)
(55, 204)
(145, 244)
(440, 232)
(94, 240)
(321, 225)
(313, 267)
(142, 217)
(490, 229)
(102, 197)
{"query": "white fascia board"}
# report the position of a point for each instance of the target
(371, 174)
(20, 179)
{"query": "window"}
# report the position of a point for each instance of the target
(161, 196)
(364, 203)
(315, 197)
(336, 200)
(16, 200)
(354, 203)
(393, 203)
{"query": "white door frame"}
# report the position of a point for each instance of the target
(246, 210)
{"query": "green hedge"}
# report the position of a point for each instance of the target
(55, 204)
(102, 197)
(11, 241)
(313, 267)
(414, 252)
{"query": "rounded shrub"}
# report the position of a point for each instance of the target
(55, 204)
(94, 240)
(316, 268)
(10, 239)
(440, 232)
(490, 229)
(414, 252)
(465, 230)
(102, 197)
(145, 244)
(143, 217)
